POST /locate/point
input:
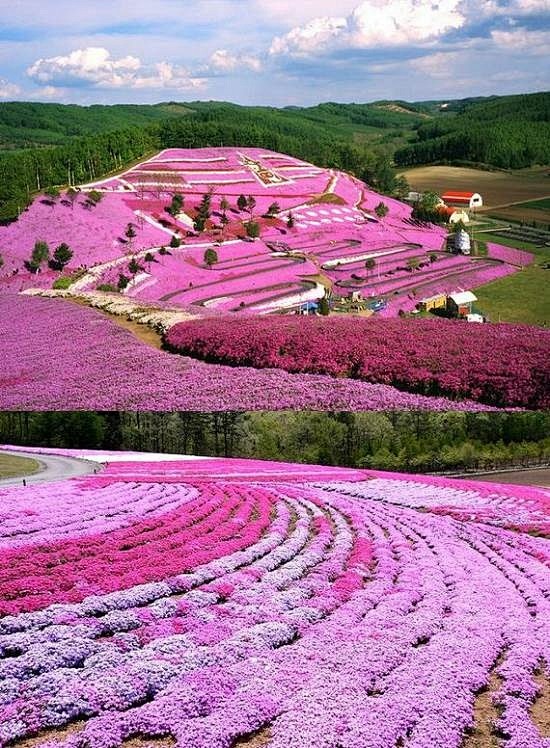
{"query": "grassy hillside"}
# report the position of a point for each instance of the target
(522, 297)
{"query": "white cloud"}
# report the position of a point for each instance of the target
(95, 66)
(314, 36)
(48, 92)
(441, 65)
(224, 61)
(8, 90)
(476, 9)
(402, 21)
(530, 6)
(374, 23)
(299, 12)
(533, 43)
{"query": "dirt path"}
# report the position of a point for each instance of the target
(144, 333)
(540, 710)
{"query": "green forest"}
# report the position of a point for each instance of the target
(28, 125)
(509, 132)
(403, 441)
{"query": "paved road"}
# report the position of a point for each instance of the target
(53, 467)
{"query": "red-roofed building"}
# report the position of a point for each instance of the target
(453, 215)
(467, 199)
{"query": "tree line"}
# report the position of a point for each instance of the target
(25, 124)
(414, 441)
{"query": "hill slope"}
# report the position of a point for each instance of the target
(27, 124)
(507, 132)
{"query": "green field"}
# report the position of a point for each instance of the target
(543, 204)
(522, 297)
(16, 467)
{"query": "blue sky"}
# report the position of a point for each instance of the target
(276, 52)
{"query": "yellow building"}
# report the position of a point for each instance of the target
(439, 301)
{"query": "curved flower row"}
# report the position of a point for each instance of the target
(320, 607)
(502, 365)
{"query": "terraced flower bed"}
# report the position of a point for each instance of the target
(238, 603)
(322, 221)
(501, 365)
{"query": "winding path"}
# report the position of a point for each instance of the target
(52, 468)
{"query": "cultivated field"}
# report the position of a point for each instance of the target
(538, 477)
(224, 603)
(498, 188)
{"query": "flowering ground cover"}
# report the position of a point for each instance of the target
(223, 603)
(501, 365)
(334, 230)
(57, 355)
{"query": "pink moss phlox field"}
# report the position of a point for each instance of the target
(63, 356)
(203, 600)
(335, 229)
(95, 234)
(501, 365)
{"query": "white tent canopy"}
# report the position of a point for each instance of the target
(463, 297)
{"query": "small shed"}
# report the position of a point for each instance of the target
(438, 301)
(469, 200)
(459, 304)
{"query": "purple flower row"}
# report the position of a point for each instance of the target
(355, 619)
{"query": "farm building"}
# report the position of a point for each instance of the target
(462, 243)
(459, 304)
(466, 199)
(439, 301)
(454, 215)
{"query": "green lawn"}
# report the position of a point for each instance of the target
(14, 467)
(522, 297)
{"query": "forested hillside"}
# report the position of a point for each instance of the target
(52, 144)
(80, 160)
(507, 132)
(27, 124)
